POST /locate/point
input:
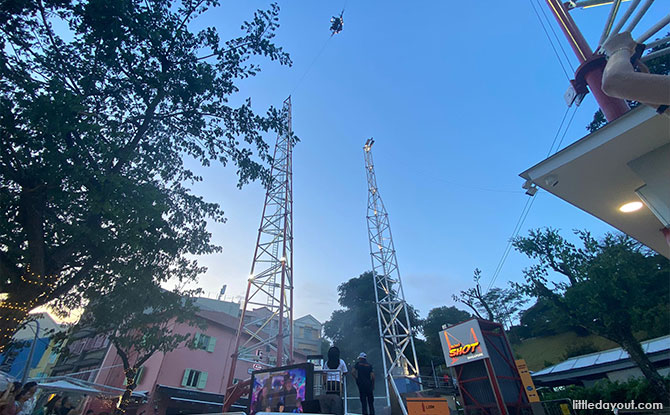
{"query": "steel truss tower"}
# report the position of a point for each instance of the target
(395, 331)
(266, 337)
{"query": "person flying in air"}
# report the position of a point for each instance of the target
(336, 24)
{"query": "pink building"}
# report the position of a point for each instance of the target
(184, 381)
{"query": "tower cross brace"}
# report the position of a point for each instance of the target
(265, 331)
(395, 330)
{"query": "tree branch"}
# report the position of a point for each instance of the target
(126, 151)
(47, 29)
(65, 287)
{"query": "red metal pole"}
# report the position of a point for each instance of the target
(496, 388)
(592, 66)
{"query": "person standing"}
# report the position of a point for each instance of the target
(52, 406)
(29, 389)
(337, 368)
(15, 407)
(9, 394)
(365, 380)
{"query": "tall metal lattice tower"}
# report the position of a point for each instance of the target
(395, 331)
(265, 332)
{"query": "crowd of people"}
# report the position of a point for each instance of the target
(17, 399)
(20, 399)
(362, 372)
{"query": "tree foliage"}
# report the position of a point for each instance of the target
(140, 318)
(97, 119)
(544, 319)
(501, 305)
(432, 326)
(612, 287)
(354, 328)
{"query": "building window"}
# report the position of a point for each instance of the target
(194, 379)
(84, 373)
(204, 342)
(99, 342)
(77, 347)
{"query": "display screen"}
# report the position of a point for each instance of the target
(281, 389)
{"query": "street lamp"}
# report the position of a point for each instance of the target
(26, 368)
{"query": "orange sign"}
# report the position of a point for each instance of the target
(527, 381)
(460, 350)
(427, 406)
(463, 343)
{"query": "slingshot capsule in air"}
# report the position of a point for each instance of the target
(336, 24)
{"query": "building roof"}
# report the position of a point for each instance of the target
(602, 362)
(47, 324)
(211, 304)
(220, 318)
(309, 318)
(624, 161)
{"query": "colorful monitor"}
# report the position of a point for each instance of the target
(281, 389)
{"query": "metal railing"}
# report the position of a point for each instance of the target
(558, 407)
(331, 382)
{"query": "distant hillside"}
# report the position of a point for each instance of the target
(538, 350)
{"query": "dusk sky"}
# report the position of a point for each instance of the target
(460, 97)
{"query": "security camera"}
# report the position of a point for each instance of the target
(551, 180)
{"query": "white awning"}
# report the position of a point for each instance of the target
(623, 162)
(88, 388)
(64, 385)
(196, 401)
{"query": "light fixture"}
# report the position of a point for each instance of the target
(630, 207)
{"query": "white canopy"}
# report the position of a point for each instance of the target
(90, 389)
(64, 385)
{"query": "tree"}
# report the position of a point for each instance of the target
(544, 319)
(432, 326)
(140, 318)
(354, 328)
(96, 121)
(612, 287)
(501, 305)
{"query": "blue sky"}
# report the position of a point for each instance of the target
(460, 97)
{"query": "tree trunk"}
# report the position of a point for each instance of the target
(130, 387)
(637, 355)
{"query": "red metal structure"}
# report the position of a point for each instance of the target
(488, 379)
(265, 332)
(590, 70)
